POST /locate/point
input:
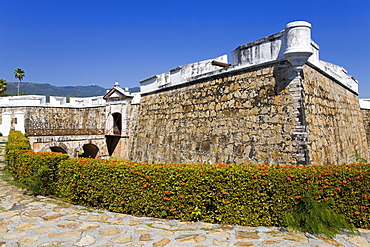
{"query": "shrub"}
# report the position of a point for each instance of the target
(17, 144)
(36, 171)
(230, 194)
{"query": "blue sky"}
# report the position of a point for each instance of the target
(85, 42)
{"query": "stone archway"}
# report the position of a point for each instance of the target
(90, 150)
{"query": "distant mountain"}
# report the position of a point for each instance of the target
(47, 89)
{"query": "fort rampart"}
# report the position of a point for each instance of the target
(276, 103)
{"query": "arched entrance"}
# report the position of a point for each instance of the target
(58, 150)
(90, 151)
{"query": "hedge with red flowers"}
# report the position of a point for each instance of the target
(17, 144)
(33, 171)
(228, 194)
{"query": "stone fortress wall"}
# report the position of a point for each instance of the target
(277, 102)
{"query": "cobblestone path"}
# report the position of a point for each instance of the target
(39, 221)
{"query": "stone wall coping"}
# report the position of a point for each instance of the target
(364, 104)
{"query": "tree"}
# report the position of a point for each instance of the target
(3, 85)
(19, 73)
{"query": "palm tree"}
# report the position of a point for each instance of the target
(3, 85)
(19, 73)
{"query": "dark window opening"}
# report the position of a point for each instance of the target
(117, 123)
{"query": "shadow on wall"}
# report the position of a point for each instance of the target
(112, 142)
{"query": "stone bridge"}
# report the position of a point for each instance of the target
(86, 127)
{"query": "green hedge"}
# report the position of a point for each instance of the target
(33, 171)
(228, 194)
(17, 144)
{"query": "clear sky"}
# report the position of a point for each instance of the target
(85, 42)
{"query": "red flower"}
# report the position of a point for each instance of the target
(70, 169)
(167, 192)
(182, 196)
(223, 192)
(122, 202)
(182, 183)
(73, 184)
(147, 177)
(166, 198)
(297, 197)
(326, 198)
(255, 175)
(357, 212)
(172, 209)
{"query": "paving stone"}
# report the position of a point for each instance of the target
(165, 233)
(331, 241)
(70, 225)
(270, 242)
(136, 244)
(246, 235)
(185, 228)
(89, 227)
(141, 229)
(98, 218)
(26, 241)
(206, 226)
(247, 228)
(220, 234)
(65, 234)
(44, 230)
(7, 213)
(122, 239)
(4, 230)
(26, 226)
(135, 222)
(49, 222)
(85, 241)
(71, 211)
(288, 236)
(116, 222)
(52, 244)
(30, 220)
(226, 227)
(14, 235)
(120, 215)
(194, 238)
(14, 218)
(161, 243)
(110, 231)
(358, 241)
(52, 217)
(220, 243)
(244, 244)
(35, 213)
(5, 223)
(161, 226)
(145, 237)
